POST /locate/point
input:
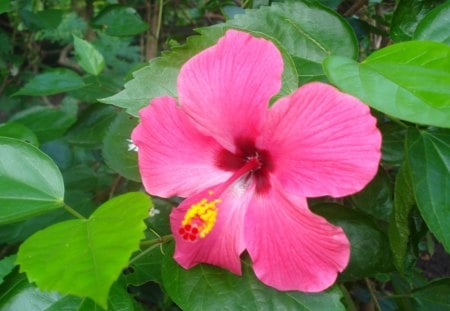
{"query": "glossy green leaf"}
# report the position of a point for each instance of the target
(119, 20)
(51, 82)
(47, 123)
(163, 72)
(92, 125)
(145, 266)
(206, 287)
(118, 150)
(409, 81)
(399, 223)
(307, 30)
(88, 56)
(370, 253)
(376, 198)
(6, 266)
(435, 25)
(18, 131)
(51, 257)
(407, 15)
(428, 154)
(392, 148)
(30, 183)
(434, 296)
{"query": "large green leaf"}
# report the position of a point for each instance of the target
(435, 26)
(30, 183)
(370, 252)
(409, 81)
(407, 15)
(434, 296)
(399, 223)
(18, 131)
(160, 76)
(84, 257)
(119, 152)
(88, 57)
(119, 20)
(428, 154)
(308, 31)
(52, 82)
(210, 288)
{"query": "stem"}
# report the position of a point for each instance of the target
(158, 26)
(160, 240)
(372, 294)
(73, 212)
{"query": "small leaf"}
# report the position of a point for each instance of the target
(206, 287)
(118, 150)
(119, 20)
(51, 82)
(435, 25)
(85, 257)
(88, 56)
(370, 253)
(6, 266)
(30, 183)
(18, 131)
(399, 223)
(434, 296)
(428, 154)
(409, 81)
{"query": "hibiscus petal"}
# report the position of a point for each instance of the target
(292, 248)
(223, 245)
(323, 142)
(227, 87)
(174, 157)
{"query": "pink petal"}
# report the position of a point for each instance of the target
(224, 244)
(174, 157)
(292, 248)
(226, 88)
(323, 142)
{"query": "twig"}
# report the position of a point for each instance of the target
(355, 7)
(65, 61)
(372, 294)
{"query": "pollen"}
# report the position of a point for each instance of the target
(200, 219)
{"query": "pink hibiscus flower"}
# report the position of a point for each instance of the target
(247, 169)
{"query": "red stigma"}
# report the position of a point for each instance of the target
(188, 232)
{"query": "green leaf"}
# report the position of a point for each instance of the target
(46, 19)
(47, 123)
(88, 56)
(376, 198)
(145, 266)
(399, 223)
(435, 25)
(409, 81)
(370, 252)
(206, 287)
(92, 125)
(5, 6)
(119, 20)
(84, 257)
(163, 72)
(30, 183)
(428, 154)
(118, 151)
(6, 266)
(392, 148)
(18, 131)
(51, 82)
(407, 15)
(434, 296)
(308, 31)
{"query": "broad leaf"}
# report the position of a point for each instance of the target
(51, 82)
(84, 257)
(145, 266)
(434, 296)
(435, 26)
(207, 288)
(118, 150)
(370, 252)
(119, 20)
(399, 223)
(428, 154)
(409, 81)
(307, 30)
(6, 266)
(392, 148)
(30, 183)
(18, 131)
(88, 57)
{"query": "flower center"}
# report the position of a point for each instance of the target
(246, 152)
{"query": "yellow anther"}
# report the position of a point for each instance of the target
(203, 215)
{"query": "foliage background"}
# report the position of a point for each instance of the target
(73, 75)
